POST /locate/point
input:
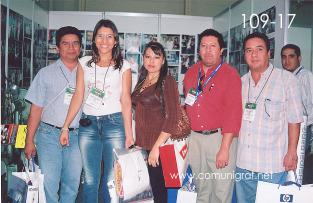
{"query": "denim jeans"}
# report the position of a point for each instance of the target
(61, 166)
(246, 183)
(96, 143)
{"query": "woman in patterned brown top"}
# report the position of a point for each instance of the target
(152, 102)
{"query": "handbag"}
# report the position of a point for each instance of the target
(287, 192)
(182, 126)
(173, 155)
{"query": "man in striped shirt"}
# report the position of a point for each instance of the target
(291, 61)
(267, 144)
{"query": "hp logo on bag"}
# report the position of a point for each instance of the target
(286, 198)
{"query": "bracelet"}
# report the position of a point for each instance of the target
(65, 129)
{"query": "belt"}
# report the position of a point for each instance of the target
(54, 126)
(207, 132)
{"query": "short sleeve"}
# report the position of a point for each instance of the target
(125, 67)
(171, 102)
(294, 102)
(37, 90)
(232, 113)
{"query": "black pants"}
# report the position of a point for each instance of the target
(157, 183)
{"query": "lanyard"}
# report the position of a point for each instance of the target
(261, 89)
(104, 75)
(68, 82)
(299, 71)
(206, 82)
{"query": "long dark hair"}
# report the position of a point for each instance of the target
(116, 51)
(158, 49)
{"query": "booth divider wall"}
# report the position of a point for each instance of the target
(243, 18)
(137, 29)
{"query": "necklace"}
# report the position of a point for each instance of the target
(148, 83)
(105, 63)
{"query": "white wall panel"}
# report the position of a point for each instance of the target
(80, 20)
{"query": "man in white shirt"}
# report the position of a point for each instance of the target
(291, 59)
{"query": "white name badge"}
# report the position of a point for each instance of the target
(249, 112)
(69, 91)
(95, 97)
(191, 97)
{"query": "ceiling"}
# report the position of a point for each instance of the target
(179, 7)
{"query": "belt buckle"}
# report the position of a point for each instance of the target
(206, 132)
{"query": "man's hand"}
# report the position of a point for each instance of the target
(30, 150)
(64, 140)
(290, 161)
(222, 158)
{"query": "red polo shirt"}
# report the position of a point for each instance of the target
(219, 105)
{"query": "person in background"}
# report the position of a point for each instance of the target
(213, 97)
(50, 95)
(267, 145)
(152, 102)
(291, 61)
(103, 88)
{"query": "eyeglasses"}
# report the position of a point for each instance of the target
(104, 36)
(74, 44)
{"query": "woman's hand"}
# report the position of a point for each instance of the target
(153, 158)
(129, 141)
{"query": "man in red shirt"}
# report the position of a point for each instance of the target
(213, 103)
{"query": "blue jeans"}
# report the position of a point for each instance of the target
(96, 143)
(61, 166)
(246, 183)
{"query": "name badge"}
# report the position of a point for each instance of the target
(249, 112)
(95, 97)
(191, 97)
(69, 91)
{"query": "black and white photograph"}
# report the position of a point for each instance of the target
(121, 38)
(26, 72)
(40, 47)
(15, 26)
(236, 38)
(132, 43)
(3, 36)
(15, 54)
(27, 47)
(15, 76)
(146, 38)
(83, 45)
(88, 39)
(135, 61)
(172, 58)
(27, 28)
(188, 44)
(170, 42)
(52, 47)
(186, 62)
(234, 59)
(173, 71)
(270, 16)
(135, 65)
